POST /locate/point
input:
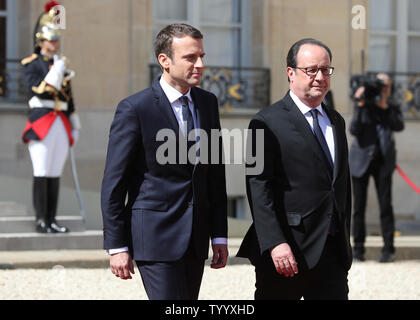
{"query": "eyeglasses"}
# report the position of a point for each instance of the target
(313, 71)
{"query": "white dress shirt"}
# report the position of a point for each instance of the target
(324, 122)
(173, 96)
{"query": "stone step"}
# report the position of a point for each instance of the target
(11, 209)
(27, 224)
(90, 239)
(409, 228)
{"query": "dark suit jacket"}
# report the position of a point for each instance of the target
(156, 220)
(371, 138)
(294, 197)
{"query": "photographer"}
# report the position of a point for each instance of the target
(373, 154)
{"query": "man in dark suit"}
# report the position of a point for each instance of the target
(299, 241)
(373, 153)
(172, 208)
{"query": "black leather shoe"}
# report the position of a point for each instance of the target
(43, 227)
(56, 228)
(386, 257)
(360, 257)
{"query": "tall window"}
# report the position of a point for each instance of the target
(8, 48)
(224, 24)
(413, 61)
(394, 35)
(2, 45)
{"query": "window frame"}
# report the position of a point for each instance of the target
(402, 35)
(193, 18)
(11, 52)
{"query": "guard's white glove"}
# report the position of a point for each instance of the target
(69, 74)
(75, 121)
(75, 135)
(60, 63)
(55, 75)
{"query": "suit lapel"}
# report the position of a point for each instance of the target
(162, 104)
(200, 106)
(338, 141)
(303, 127)
(200, 109)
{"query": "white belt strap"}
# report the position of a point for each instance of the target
(36, 102)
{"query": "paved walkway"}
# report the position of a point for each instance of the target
(84, 274)
(367, 281)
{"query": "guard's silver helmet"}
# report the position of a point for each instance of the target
(48, 32)
(45, 28)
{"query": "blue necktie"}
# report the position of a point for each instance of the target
(321, 139)
(187, 117)
(186, 114)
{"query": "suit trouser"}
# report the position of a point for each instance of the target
(173, 280)
(383, 184)
(326, 281)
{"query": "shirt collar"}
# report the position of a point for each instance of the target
(171, 93)
(303, 107)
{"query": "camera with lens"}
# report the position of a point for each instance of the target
(373, 87)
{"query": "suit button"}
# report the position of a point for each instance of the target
(329, 215)
(190, 204)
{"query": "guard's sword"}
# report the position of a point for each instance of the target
(76, 184)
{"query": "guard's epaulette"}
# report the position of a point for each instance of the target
(29, 59)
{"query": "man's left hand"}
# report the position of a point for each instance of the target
(220, 255)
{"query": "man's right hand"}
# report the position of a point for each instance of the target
(121, 265)
(284, 260)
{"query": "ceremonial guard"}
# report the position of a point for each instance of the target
(53, 125)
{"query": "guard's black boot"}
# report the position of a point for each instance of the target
(53, 190)
(386, 257)
(39, 197)
(43, 227)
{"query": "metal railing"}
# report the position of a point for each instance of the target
(237, 89)
(12, 87)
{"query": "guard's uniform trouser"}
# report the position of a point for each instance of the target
(48, 158)
(49, 155)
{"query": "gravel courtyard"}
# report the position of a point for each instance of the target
(367, 281)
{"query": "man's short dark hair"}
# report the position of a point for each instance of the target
(294, 49)
(163, 41)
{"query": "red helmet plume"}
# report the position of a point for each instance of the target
(50, 5)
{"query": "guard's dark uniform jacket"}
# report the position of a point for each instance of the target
(35, 69)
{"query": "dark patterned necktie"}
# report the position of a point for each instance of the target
(324, 146)
(186, 114)
(188, 119)
(321, 139)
